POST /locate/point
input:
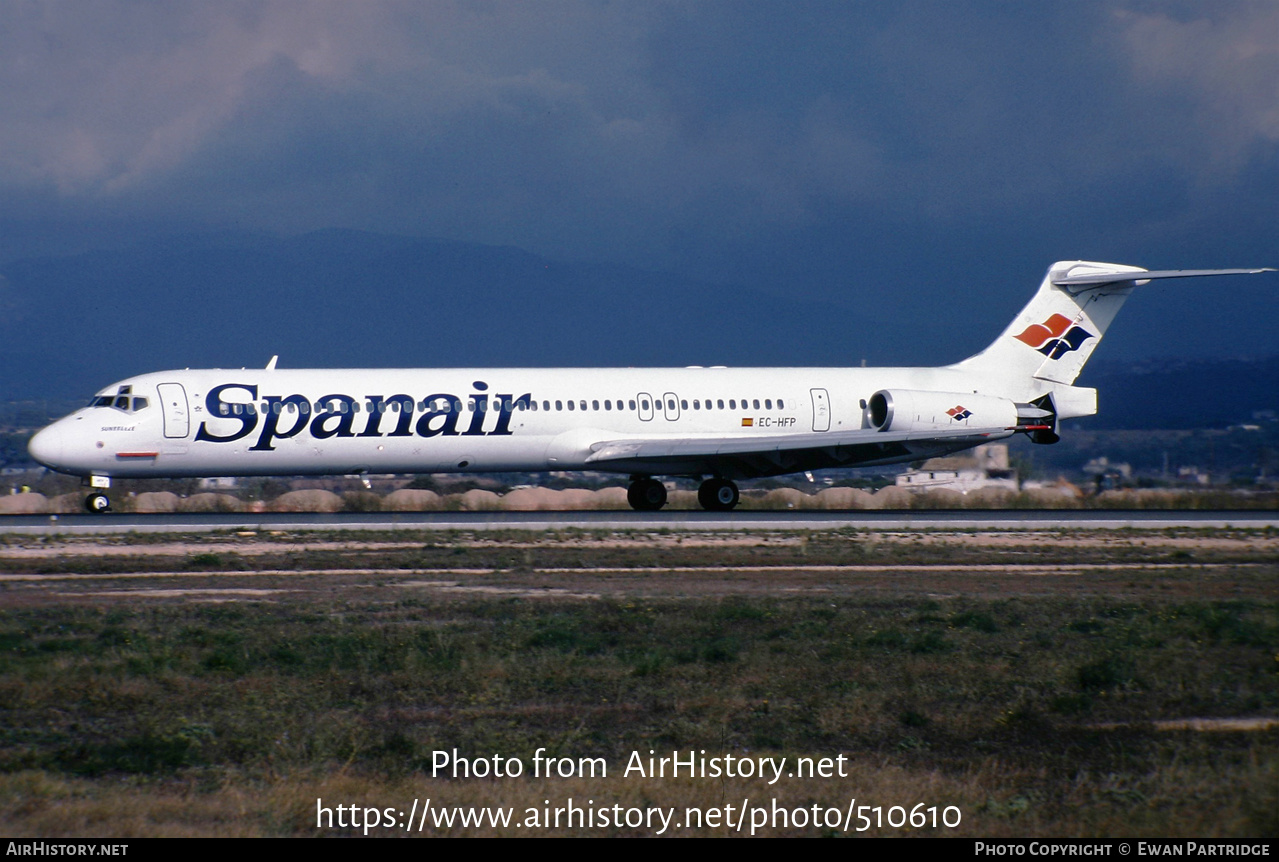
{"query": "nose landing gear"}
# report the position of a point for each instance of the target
(98, 502)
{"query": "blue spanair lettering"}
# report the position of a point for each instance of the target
(506, 406)
(339, 407)
(400, 405)
(481, 410)
(275, 408)
(214, 404)
(404, 426)
(335, 415)
(443, 407)
(373, 425)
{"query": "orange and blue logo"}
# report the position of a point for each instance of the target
(1055, 337)
(959, 413)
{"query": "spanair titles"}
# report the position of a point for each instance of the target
(237, 411)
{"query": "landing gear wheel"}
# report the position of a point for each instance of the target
(718, 495)
(646, 495)
(97, 503)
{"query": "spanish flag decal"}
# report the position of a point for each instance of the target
(746, 423)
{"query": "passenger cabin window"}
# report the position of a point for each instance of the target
(756, 403)
(780, 405)
(768, 404)
(595, 405)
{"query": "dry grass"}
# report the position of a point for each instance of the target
(224, 697)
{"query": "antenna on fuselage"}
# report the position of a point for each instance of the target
(270, 366)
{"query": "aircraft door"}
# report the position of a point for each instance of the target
(645, 404)
(670, 403)
(177, 419)
(821, 409)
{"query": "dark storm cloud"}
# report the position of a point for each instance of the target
(817, 149)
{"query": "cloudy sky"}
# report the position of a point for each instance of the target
(896, 155)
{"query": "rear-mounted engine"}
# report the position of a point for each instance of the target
(904, 410)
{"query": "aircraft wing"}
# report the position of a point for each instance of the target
(773, 454)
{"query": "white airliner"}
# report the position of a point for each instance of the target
(716, 424)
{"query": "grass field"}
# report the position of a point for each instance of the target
(1040, 683)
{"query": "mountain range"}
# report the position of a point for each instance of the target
(338, 298)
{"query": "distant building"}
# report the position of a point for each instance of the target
(986, 467)
(1193, 476)
(1103, 466)
(1107, 475)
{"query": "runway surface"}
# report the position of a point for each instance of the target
(1026, 519)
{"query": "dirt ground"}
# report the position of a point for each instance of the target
(1224, 565)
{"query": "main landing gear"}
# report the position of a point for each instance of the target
(718, 495)
(648, 495)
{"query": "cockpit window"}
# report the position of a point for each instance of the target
(121, 401)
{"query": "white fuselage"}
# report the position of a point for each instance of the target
(347, 421)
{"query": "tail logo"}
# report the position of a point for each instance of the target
(959, 413)
(1055, 337)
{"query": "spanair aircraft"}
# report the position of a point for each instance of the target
(716, 424)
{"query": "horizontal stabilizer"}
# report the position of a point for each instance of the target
(1093, 278)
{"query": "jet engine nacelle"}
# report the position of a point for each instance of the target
(916, 410)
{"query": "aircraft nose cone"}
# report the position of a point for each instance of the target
(46, 447)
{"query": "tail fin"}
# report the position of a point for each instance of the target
(1061, 326)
